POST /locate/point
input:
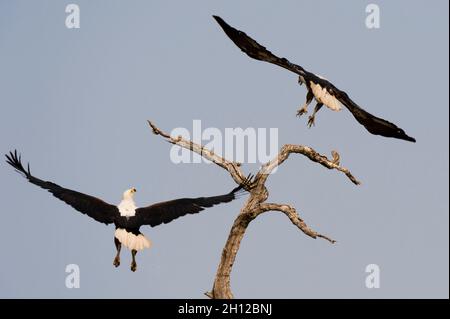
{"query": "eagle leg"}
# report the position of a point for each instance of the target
(133, 262)
(116, 261)
(304, 108)
(312, 118)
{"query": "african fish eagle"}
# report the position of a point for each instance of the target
(126, 216)
(324, 92)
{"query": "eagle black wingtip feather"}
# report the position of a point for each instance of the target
(15, 160)
(237, 189)
(225, 26)
(243, 187)
(218, 19)
(406, 137)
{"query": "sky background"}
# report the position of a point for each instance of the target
(75, 103)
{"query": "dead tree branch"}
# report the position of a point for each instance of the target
(232, 167)
(291, 213)
(256, 202)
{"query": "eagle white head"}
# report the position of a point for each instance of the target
(129, 193)
(127, 207)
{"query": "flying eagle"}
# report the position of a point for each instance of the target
(324, 92)
(126, 216)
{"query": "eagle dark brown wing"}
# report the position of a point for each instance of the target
(373, 124)
(165, 212)
(253, 49)
(89, 205)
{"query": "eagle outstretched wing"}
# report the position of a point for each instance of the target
(165, 212)
(89, 205)
(253, 49)
(372, 123)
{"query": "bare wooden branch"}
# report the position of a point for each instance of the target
(256, 202)
(314, 156)
(290, 212)
(232, 167)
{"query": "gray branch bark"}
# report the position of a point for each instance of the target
(256, 203)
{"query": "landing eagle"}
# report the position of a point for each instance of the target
(126, 216)
(320, 89)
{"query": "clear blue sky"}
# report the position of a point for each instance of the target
(75, 103)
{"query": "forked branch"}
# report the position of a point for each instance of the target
(256, 202)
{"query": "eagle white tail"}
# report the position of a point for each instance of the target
(132, 241)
